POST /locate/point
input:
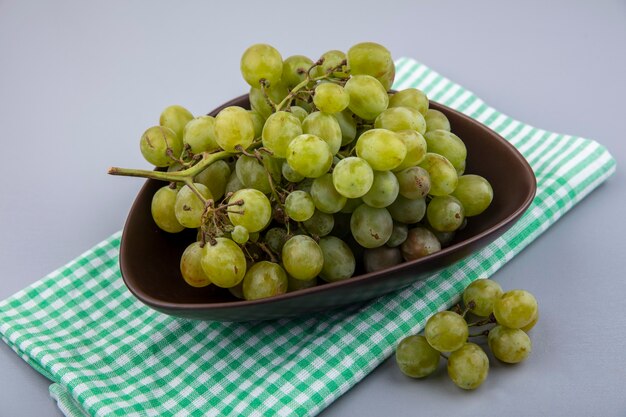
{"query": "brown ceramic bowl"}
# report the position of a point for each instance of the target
(149, 257)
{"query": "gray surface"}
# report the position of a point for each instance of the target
(80, 82)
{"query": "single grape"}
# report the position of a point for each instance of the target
(259, 98)
(381, 148)
(215, 177)
(320, 224)
(299, 112)
(372, 59)
(264, 279)
(415, 148)
(330, 98)
(261, 62)
(509, 345)
(339, 262)
(279, 130)
(309, 156)
(483, 293)
(199, 134)
(294, 70)
(252, 174)
(387, 79)
(353, 177)
(234, 127)
(159, 146)
(325, 196)
(446, 331)
(191, 266)
(189, 208)
(443, 176)
(419, 242)
(224, 262)
(412, 98)
(445, 213)
(299, 206)
(436, 120)
(406, 210)
(447, 144)
(414, 182)
(351, 205)
(532, 323)
(289, 174)
(380, 258)
(416, 358)
(258, 121)
(475, 194)
(401, 118)
(326, 127)
(298, 284)
(371, 227)
(468, 367)
(233, 184)
(175, 117)
(275, 238)
(515, 309)
(331, 59)
(302, 257)
(383, 191)
(398, 234)
(368, 97)
(347, 124)
(254, 212)
(240, 234)
(162, 208)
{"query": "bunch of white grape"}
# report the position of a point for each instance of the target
(327, 163)
(514, 314)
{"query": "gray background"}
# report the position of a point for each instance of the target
(80, 81)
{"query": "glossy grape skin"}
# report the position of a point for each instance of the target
(532, 323)
(294, 70)
(371, 227)
(320, 224)
(254, 214)
(252, 174)
(443, 176)
(289, 174)
(233, 184)
(234, 127)
(368, 97)
(406, 210)
(299, 112)
(383, 191)
(261, 61)
(449, 145)
(299, 206)
(398, 235)
(154, 145)
(224, 263)
(275, 238)
(515, 309)
(445, 213)
(215, 177)
(259, 103)
(468, 367)
(279, 130)
(309, 156)
(412, 98)
(381, 148)
(298, 284)
(415, 148)
(483, 293)
(258, 121)
(509, 345)
(199, 134)
(240, 235)
(324, 126)
(191, 266)
(347, 125)
(474, 192)
(436, 120)
(175, 117)
(416, 358)
(264, 279)
(380, 258)
(302, 257)
(413, 182)
(330, 98)
(162, 209)
(325, 196)
(401, 118)
(446, 331)
(353, 177)
(339, 262)
(188, 206)
(419, 242)
(372, 59)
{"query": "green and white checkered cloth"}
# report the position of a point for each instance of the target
(110, 355)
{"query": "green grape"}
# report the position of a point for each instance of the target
(330, 98)
(398, 235)
(224, 262)
(415, 148)
(530, 325)
(175, 117)
(273, 166)
(326, 127)
(445, 213)
(261, 62)
(233, 184)
(468, 367)
(159, 146)
(515, 309)
(302, 257)
(387, 79)
(419, 242)
(298, 284)
(475, 193)
(383, 191)
(254, 213)
(215, 177)
(320, 224)
(258, 99)
(416, 358)
(254, 237)
(401, 118)
(309, 156)
(325, 197)
(436, 120)
(414, 182)
(162, 209)
(509, 345)
(347, 124)
(449, 145)
(380, 258)
(258, 121)
(339, 262)
(351, 205)
(188, 207)
(483, 293)
(275, 238)
(352, 177)
(295, 69)
(443, 176)
(252, 174)
(237, 290)
(234, 127)
(331, 59)
(406, 210)
(368, 97)
(264, 279)
(444, 238)
(412, 98)
(199, 134)
(372, 59)
(299, 112)
(299, 206)
(289, 174)
(381, 148)
(191, 266)
(280, 129)
(371, 227)
(305, 184)
(446, 331)
(306, 105)
(240, 234)
(460, 170)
